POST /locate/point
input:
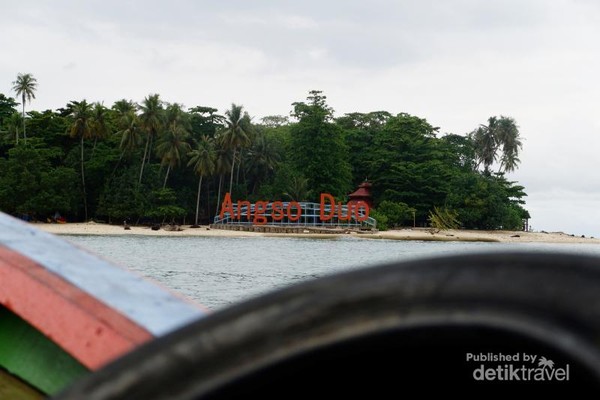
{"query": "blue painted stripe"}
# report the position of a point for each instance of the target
(147, 304)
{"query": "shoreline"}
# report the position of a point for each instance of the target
(99, 229)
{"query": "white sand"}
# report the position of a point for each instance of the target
(490, 236)
(92, 228)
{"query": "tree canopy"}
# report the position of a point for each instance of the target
(24, 87)
(156, 161)
(318, 151)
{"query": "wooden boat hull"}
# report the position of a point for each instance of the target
(64, 311)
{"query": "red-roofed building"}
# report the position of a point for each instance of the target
(363, 193)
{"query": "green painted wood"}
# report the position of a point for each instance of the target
(14, 389)
(32, 357)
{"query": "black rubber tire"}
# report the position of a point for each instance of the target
(379, 332)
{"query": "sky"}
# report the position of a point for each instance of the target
(453, 62)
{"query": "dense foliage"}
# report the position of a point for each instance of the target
(156, 162)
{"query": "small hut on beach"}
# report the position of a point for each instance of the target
(363, 193)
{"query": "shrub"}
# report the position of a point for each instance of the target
(443, 218)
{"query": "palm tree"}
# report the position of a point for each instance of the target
(14, 124)
(25, 86)
(500, 134)
(509, 139)
(202, 160)
(151, 120)
(128, 124)
(131, 138)
(235, 134)
(100, 127)
(172, 146)
(81, 127)
(298, 189)
(222, 166)
(123, 107)
(130, 132)
(262, 158)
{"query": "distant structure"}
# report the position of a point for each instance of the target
(302, 214)
(363, 193)
(294, 214)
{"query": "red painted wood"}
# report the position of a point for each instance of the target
(86, 328)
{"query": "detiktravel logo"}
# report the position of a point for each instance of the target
(516, 367)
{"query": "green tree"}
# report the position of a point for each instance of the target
(151, 119)
(360, 131)
(411, 168)
(128, 128)
(81, 128)
(397, 214)
(298, 189)
(274, 121)
(122, 200)
(262, 159)
(7, 109)
(163, 205)
(408, 165)
(12, 126)
(25, 86)
(172, 146)
(223, 162)
(487, 201)
(458, 152)
(318, 151)
(510, 140)
(202, 161)
(50, 128)
(31, 184)
(130, 132)
(235, 135)
(100, 128)
(205, 121)
(123, 107)
(499, 140)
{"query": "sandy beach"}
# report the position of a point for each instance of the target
(92, 228)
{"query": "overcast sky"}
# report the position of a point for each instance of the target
(453, 62)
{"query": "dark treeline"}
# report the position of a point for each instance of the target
(154, 161)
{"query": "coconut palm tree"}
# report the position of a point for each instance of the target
(484, 142)
(151, 119)
(223, 163)
(100, 127)
(262, 158)
(235, 135)
(499, 135)
(81, 127)
(13, 125)
(172, 145)
(123, 107)
(202, 160)
(130, 132)
(298, 189)
(128, 124)
(25, 86)
(509, 139)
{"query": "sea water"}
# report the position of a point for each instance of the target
(219, 271)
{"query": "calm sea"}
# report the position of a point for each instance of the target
(217, 272)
